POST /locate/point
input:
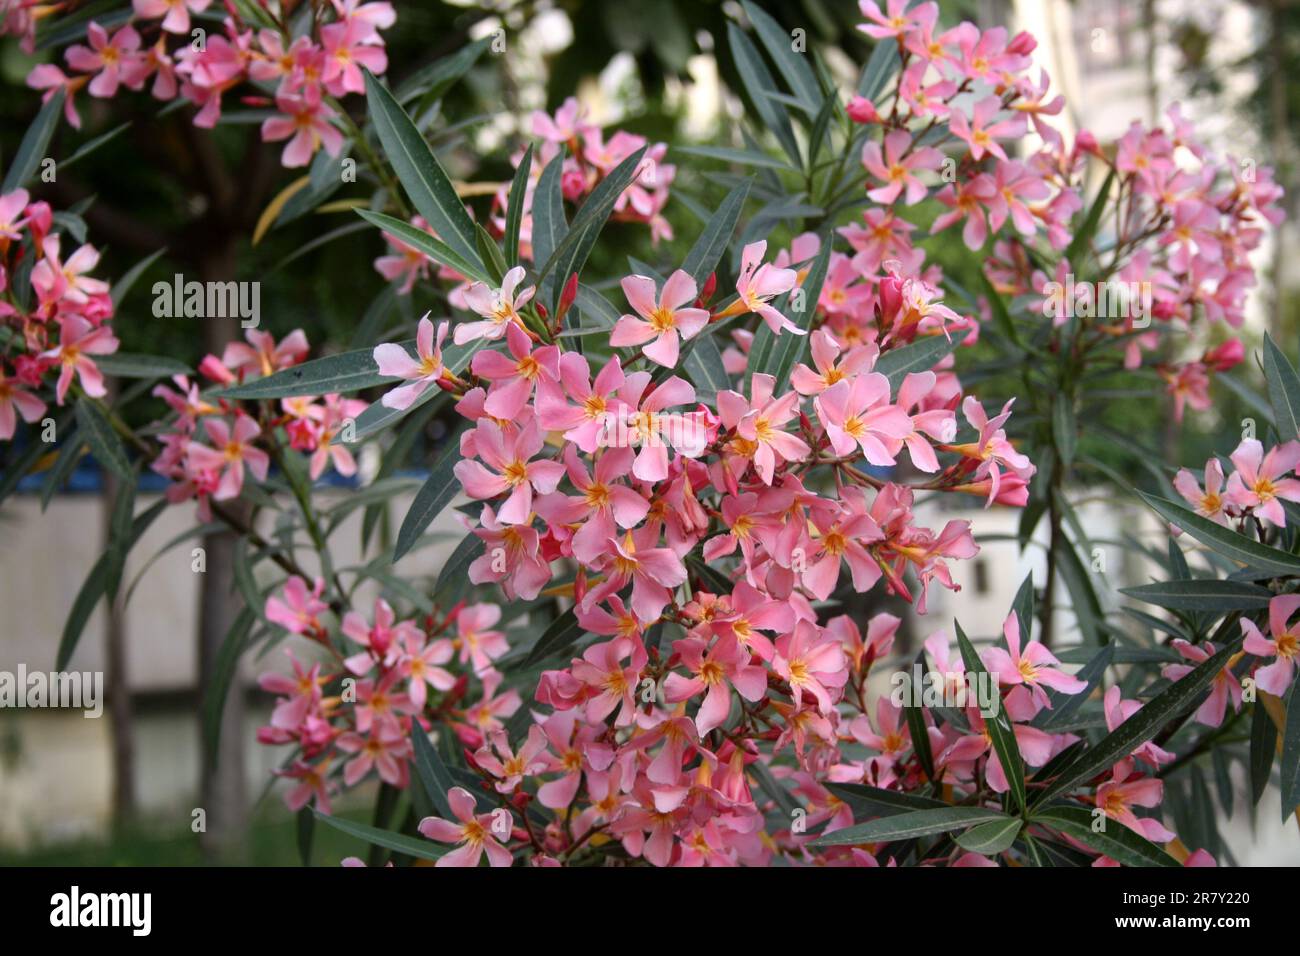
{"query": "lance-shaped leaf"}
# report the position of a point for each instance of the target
(431, 774)
(434, 495)
(549, 224)
(703, 364)
(1263, 747)
(999, 726)
(515, 207)
(867, 801)
(1064, 705)
(1172, 702)
(1116, 841)
(707, 252)
(1082, 240)
(128, 365)
(1202, 595)
(34, 144)
(1290, 768)
(916, 720)
(103, 441)
(1283, 390)
(1223, 540)
(562, 632)
(990, 838)
(792, 66)
(435, 249)
(422, 176)
(758, 84)
(920, 356)
(779, 353)
(880, 66)
(905, 826)
(397, 842)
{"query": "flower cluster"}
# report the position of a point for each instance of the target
(1256, 489)
(309, 72)
(53, 314)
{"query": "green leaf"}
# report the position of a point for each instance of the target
(868, 801)
(1290, 767)
(1023, 605)
(1116, 841)
(70, 450)
(904, 826)
(1172, 702)
(562, 632)
(515, 206)
(1202, 595)
(728, 154)
(990, 839)
(779, 353)
(1064, 705)
(128, 365)
(232, 649)
(95, 585)
(119, 537)
(397, 842)
(758, 83)
(490, 254)
(716, 235)
(123, 285)
(436, 78)
(549, 224)
(32, 149)
(920, 356)
(432, 247)
(998, 306)
(421, 174)
(916, 723)
(1263, 747)
(434, 495)
(571, 252)
(1065, 430)
(999, 727)
(306, 834)
(772, 787)
(880, 66)
(103, 441)
(1088, 228)
(431, 773)
(1283, 390)
(792, 66)
(1223, 540)
(704, 365)
(455, 570)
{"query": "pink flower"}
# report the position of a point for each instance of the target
(510, 767)
(664, 321)
(652, 571)
(297, 611)
(514, 378)
(897, 20)
(993, 451)
(811, 661)
(349, 46)
(175, 13)
(825, 353)
(511, 558)
(53, 279)
(508, 455)
(1258, 483)
(420, 372)
(1210, 502)
(48, 77)
(229, 453)
(77, 341)
(312, 782)
(1225, 686)
(306, 124)
(386, 749)
(857, 414)
(498, 307)
(262, 356)
(474, 833)
(897, 168)
(968, 200)
(382, 640)
(758, 284)
(1119, 710)
(1034, 668)
(759, 421)
(584, 422)
(1283, 644)
(602, 506)
(713, 669)
(1117, 797)
(476, 641)
(612, 685)
(14, 398)
(982, 135)
(642, 422)
(118, 59)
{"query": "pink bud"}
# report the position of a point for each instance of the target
(1022, 44)
(1225, 356)
(861, 110)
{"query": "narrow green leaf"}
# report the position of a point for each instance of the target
(1283, 390)
(434, 495)
(103, 441)
(1064, 706)
(781, 352)
(904, 826)
(1065, 431)
(232, 649)
(128, 365)
(1223, 540)
(792, 66)
(1263, 747)
(515, 206)
(1172, 702)
(423, 177)
(1202, 595)
(306, 834)
(921, 355)
(1023, 605)
(1116, 841)
(728, 154)
(400, 843)
(758, 83)
(432, 247)
(562, 632)
(430, 772)
(703, 364)
(990, 839)
(868, 801)
(490, 254)
(123, 285)
(713, 239)
(35, 142)
(1000, 728)
(549, 224)
(1290, 766)
(1082, 240)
